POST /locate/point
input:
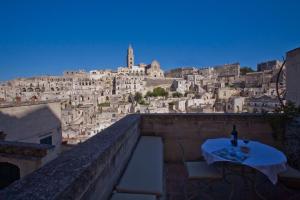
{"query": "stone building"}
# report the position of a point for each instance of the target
(32, 136)
(130, 57)
(253, 79)
(226, 92)
(293, 74)
(180, 85)
(260, 79)
(3, 92)
(228, 72)
(174, 73)
(205, 71)
(235, 104)
(99, 74)
(198, 82)
(269, 65)
(124, 108)
(153, 70)
(40, 88)
(194, 79)
(124, 84)
(253, 91)
(46, 116)
(197, 104)
(261, 104)
(76, 73)
(133, 71)
(181, 72)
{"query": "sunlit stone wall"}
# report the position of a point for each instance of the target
(193, 129)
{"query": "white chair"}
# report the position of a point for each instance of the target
(290, 177)
(199, 170)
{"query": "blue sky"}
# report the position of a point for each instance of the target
(48, 37)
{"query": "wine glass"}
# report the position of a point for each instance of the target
(246, 141)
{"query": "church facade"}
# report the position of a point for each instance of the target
(152, 70)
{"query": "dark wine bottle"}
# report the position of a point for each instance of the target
(234, 136)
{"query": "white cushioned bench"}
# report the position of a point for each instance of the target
(144, 173)
(127, 196)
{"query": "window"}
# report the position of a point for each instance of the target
(46, 140)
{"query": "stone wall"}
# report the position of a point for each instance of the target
(292, 76)
(292, 142)
(88, 171)
(193, 129)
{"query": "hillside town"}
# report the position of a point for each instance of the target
(91, 101)
(149, 100)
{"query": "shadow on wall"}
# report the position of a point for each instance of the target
(28, 123)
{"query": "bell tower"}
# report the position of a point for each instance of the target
(130, 57)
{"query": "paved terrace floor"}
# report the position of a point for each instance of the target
(176, 180)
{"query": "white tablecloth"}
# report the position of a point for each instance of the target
(264, 158)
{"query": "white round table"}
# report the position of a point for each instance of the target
(264, 158)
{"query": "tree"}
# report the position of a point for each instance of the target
(166, 95)
(278, 122)
(245, 70)
(142, 102)
(105, 104)
(157, 92)
(138, 97)
(177, 95)
(148, 94)
(289, 111)
(130, 98)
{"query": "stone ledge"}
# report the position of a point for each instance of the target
(9, 148)
(212, 114)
